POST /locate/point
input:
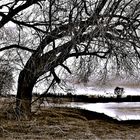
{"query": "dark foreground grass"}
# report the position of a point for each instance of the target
(68, 124)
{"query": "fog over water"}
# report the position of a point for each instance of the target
(105, 91)
(94, 86)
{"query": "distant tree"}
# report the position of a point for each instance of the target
(6, 79)
(47, 33)
(119, 91)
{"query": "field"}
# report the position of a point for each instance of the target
(66, 124)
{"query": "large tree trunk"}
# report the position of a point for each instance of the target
(36, 66)
(26, 83)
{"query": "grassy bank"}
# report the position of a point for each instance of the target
(66, 123)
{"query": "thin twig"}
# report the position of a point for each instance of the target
(44, 93)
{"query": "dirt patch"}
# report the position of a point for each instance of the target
(66, 123)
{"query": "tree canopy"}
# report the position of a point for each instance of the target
(45, 33)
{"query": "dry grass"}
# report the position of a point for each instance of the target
(62, 124)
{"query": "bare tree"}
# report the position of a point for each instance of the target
(51, 31)
(6, 78)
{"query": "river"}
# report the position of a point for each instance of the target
(119, 111)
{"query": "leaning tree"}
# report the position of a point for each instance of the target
(43, 34)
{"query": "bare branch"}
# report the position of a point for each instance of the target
(56, 78)
(98, 54)
(17, 47)
(65, 67)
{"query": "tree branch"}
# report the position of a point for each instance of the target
(13, 12)
(17, 47)
(44, 93)
(56, 78)
(65, 67)
(89, 53)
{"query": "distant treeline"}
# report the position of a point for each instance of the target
(84, 98)
(91, 99)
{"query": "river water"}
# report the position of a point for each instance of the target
(119, 111)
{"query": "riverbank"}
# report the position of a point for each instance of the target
(66, 123)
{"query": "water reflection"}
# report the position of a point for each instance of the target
(119, 111)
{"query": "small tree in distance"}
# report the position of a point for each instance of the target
(119, 91)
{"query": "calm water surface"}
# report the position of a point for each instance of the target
(119, 111)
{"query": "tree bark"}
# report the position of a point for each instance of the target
(26, 83)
